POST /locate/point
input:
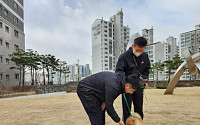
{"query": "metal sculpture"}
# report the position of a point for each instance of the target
(191, 62)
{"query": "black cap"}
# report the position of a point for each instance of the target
(133, 80)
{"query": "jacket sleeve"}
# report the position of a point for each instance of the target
(110, 96)
(120, 67)
(147, 67)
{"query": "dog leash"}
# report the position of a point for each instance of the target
(127, 101)
(143, 87)
(127, 104)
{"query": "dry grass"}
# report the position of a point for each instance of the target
(181, 108)
(15, 89)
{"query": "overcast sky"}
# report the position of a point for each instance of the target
(63, 27)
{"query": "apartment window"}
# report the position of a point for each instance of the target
(17, 76)
(16, 33)
(1, 25)
(1, 76)
(15, 5)
(5, 12)
(16, 20)
(7, 45)
(1, 42)
(7, 29)
(16, 47)
(7, 77)
(1, 59)
(7, 61)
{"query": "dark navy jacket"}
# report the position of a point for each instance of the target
(106, 86)
(127, 64)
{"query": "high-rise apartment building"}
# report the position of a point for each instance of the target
(190, 39)
(11, 38)
(109, 40)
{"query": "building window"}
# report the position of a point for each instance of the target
(1, 76)
(7, 29)
(1, 59)
(7, 45)
(7, 61)
(16, 47)
(5, 12)
(1, 42)
(1, 25)
(15, 20)
(7, 77)
(15, 5)
(17, 76)
(16, 33)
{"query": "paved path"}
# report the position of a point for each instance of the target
(64, 93)
(38, 95)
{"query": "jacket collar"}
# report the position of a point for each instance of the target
(130, 50)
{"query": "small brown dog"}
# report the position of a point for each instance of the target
(134, 120)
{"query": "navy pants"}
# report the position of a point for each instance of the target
(92, 107)
(137, 99)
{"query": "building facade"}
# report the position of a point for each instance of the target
(155, 52)
(12, 37)
(171, 48)
(148, 34)
(78, 72)
(190, 39)
(109, 40)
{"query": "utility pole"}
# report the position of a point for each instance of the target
(78, 69)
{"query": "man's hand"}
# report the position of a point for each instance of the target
(121, 122)
(103, 106)
(146, 85)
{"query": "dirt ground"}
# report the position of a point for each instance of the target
(182, 108)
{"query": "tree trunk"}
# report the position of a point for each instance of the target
(156, 79)
(60, 76)
(169, 76)
(20, 75)
(31, 75)
(48, 75)
(35, 77)
(43, 76)
(65, 78)
(23, 76)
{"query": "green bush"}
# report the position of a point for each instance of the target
(161, 86)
